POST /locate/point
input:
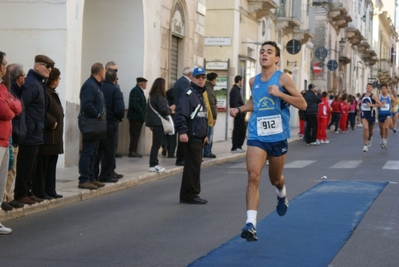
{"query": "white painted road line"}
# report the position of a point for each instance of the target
(391, 165)
(299, 163)
(347, 164)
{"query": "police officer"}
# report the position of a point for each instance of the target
(192, 125)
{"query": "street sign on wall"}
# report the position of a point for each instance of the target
(316, 68)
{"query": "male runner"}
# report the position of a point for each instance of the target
(384, 115)
(367, 104)
(268, 131)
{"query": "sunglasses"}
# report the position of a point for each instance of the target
(200, 77)
(116, 70)
(48, 66)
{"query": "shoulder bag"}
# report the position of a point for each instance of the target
(167, 124)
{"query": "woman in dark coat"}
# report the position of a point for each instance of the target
(158, 102)
(54, 143)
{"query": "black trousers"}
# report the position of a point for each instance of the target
(351, 119)
(106, 153)
(311, 128)
(335, 117)
(181, 148)
(45, 176)
(190, 183)
(239, 131)
(26, 168)
(134, 131)
(157, 136)
(170, 142)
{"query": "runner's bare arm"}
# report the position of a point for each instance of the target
(377, 102)
(294, 97)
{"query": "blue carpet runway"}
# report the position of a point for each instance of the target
(316, 226)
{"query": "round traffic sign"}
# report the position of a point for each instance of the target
(293, 46)
(321, 53)
(332, 65)
(316, 68)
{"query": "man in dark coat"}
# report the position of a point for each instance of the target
(239, 129)
(312, 100)
(192, 125)
(33, 97)
(182, 84)
(136, 114)
(115, 112)
(92, 105)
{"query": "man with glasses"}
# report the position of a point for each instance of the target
(33, 97)
(9, 108)
(192, 125)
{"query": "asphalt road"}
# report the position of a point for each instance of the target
(146, 226)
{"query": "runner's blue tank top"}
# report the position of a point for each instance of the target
(386, 108)
(270, 120)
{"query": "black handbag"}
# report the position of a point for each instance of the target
(93, 128)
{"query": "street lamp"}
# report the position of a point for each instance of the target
(342, 44)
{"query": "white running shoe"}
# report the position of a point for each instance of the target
(370, 141)
(267, 162)
(314, 144)
(325, 141)
(365, 148)
(238, 150)
(4, 230)
(156, 168)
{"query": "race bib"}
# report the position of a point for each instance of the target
(269, 125)
(385, 107)
(365, 107)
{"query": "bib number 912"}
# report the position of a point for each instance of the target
(269, 125)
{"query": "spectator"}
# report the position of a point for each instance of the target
(45, 177)
(182, 84)
(336, 111)
(209, 85)
(157, 103)
(115, 111)
(136, 114)
(312, 101)
(170, 142)
(192, 125)
(239, 129)
(352, 112)
(33, 97)
(9, 108)
(302, 119)
(322, 115)
(344, 115)
(17, 77)
(92, 105)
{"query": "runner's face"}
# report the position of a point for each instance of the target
(384, 90)
(369, 88)
(267, 56)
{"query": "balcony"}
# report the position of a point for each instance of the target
(354, 36)
(287, 20)
(307, 29)
(261, 8)
(362, 46)
(339, 17)
(369, 56)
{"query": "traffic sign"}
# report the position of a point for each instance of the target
(321, 53)
(293, 46)
(332, 65)
(316, 68)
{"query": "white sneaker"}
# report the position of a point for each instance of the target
(267, 162)
(325, 141)
(156, 168)
(314, 144)
(365, 148)
(369, 142)
(4, 230)
(238, 150)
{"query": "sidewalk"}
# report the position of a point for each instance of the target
(135, 171)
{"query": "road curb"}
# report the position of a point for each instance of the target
(76, 195)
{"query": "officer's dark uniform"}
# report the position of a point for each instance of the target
(191, 119)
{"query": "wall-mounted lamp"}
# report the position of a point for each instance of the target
(291, 62)
(357, 67)
(342, 44)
